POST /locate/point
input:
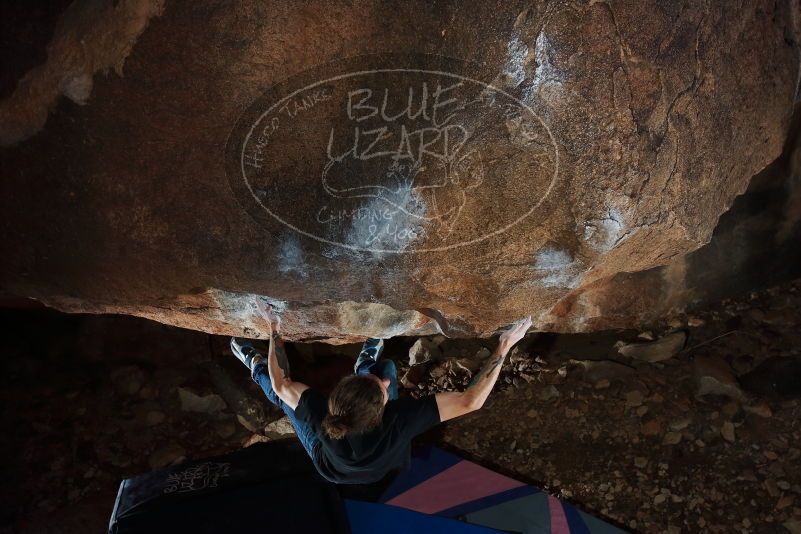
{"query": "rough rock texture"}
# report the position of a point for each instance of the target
(466, 164)
(91, 36)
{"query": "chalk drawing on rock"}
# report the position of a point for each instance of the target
(391, 159)
(439, 201)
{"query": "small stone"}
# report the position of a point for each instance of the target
(772, 488)
(729, 409)
(225, 429)
(423, 351)
(660, 498)
(762, 409)
(714, 377)
(746, 522)
(438, 372)
(793, 526)
(208, 404)
(634, 398)
(255, 438)
(783, 485)
(642, 410)
(247, 424)
(662, 349)
(413, 376)
(128, 379)
(748, 475)
(695, 322)
(602, 384)
(528, 377)
(167, 455)
(148, 393)
(548, 393)
(282, 427)
(680, 424)
(438, 340)
(154, 417)
(483, 354)
(594, 371)
(671, 438)
(462, 367)
(470, 364)
(784, 502)
(651, 428)
(727, 431)
(770, 455)
(640, 461)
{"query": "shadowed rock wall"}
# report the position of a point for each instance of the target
(383, 170)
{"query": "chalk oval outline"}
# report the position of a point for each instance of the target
(395, 251)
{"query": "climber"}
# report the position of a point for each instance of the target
(363, 430)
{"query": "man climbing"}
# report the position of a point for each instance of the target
(363, 430)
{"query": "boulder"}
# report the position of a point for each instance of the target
(208, 404)
(659, 350)
(280, 427)
(714, 377)
(424, 351)
(594, 372)
(383, 170)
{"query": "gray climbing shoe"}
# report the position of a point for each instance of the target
(371, 351)
(244, 350)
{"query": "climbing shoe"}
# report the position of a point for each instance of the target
(244, 350)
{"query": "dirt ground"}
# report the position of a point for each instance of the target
(706, 440)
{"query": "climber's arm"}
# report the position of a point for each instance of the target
(285, 388)
(455, 403)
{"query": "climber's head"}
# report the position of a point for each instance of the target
(356, 405)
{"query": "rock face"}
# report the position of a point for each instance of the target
(462, 166)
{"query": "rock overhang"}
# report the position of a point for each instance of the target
(584, 143)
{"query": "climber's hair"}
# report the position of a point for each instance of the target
(355, 405)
